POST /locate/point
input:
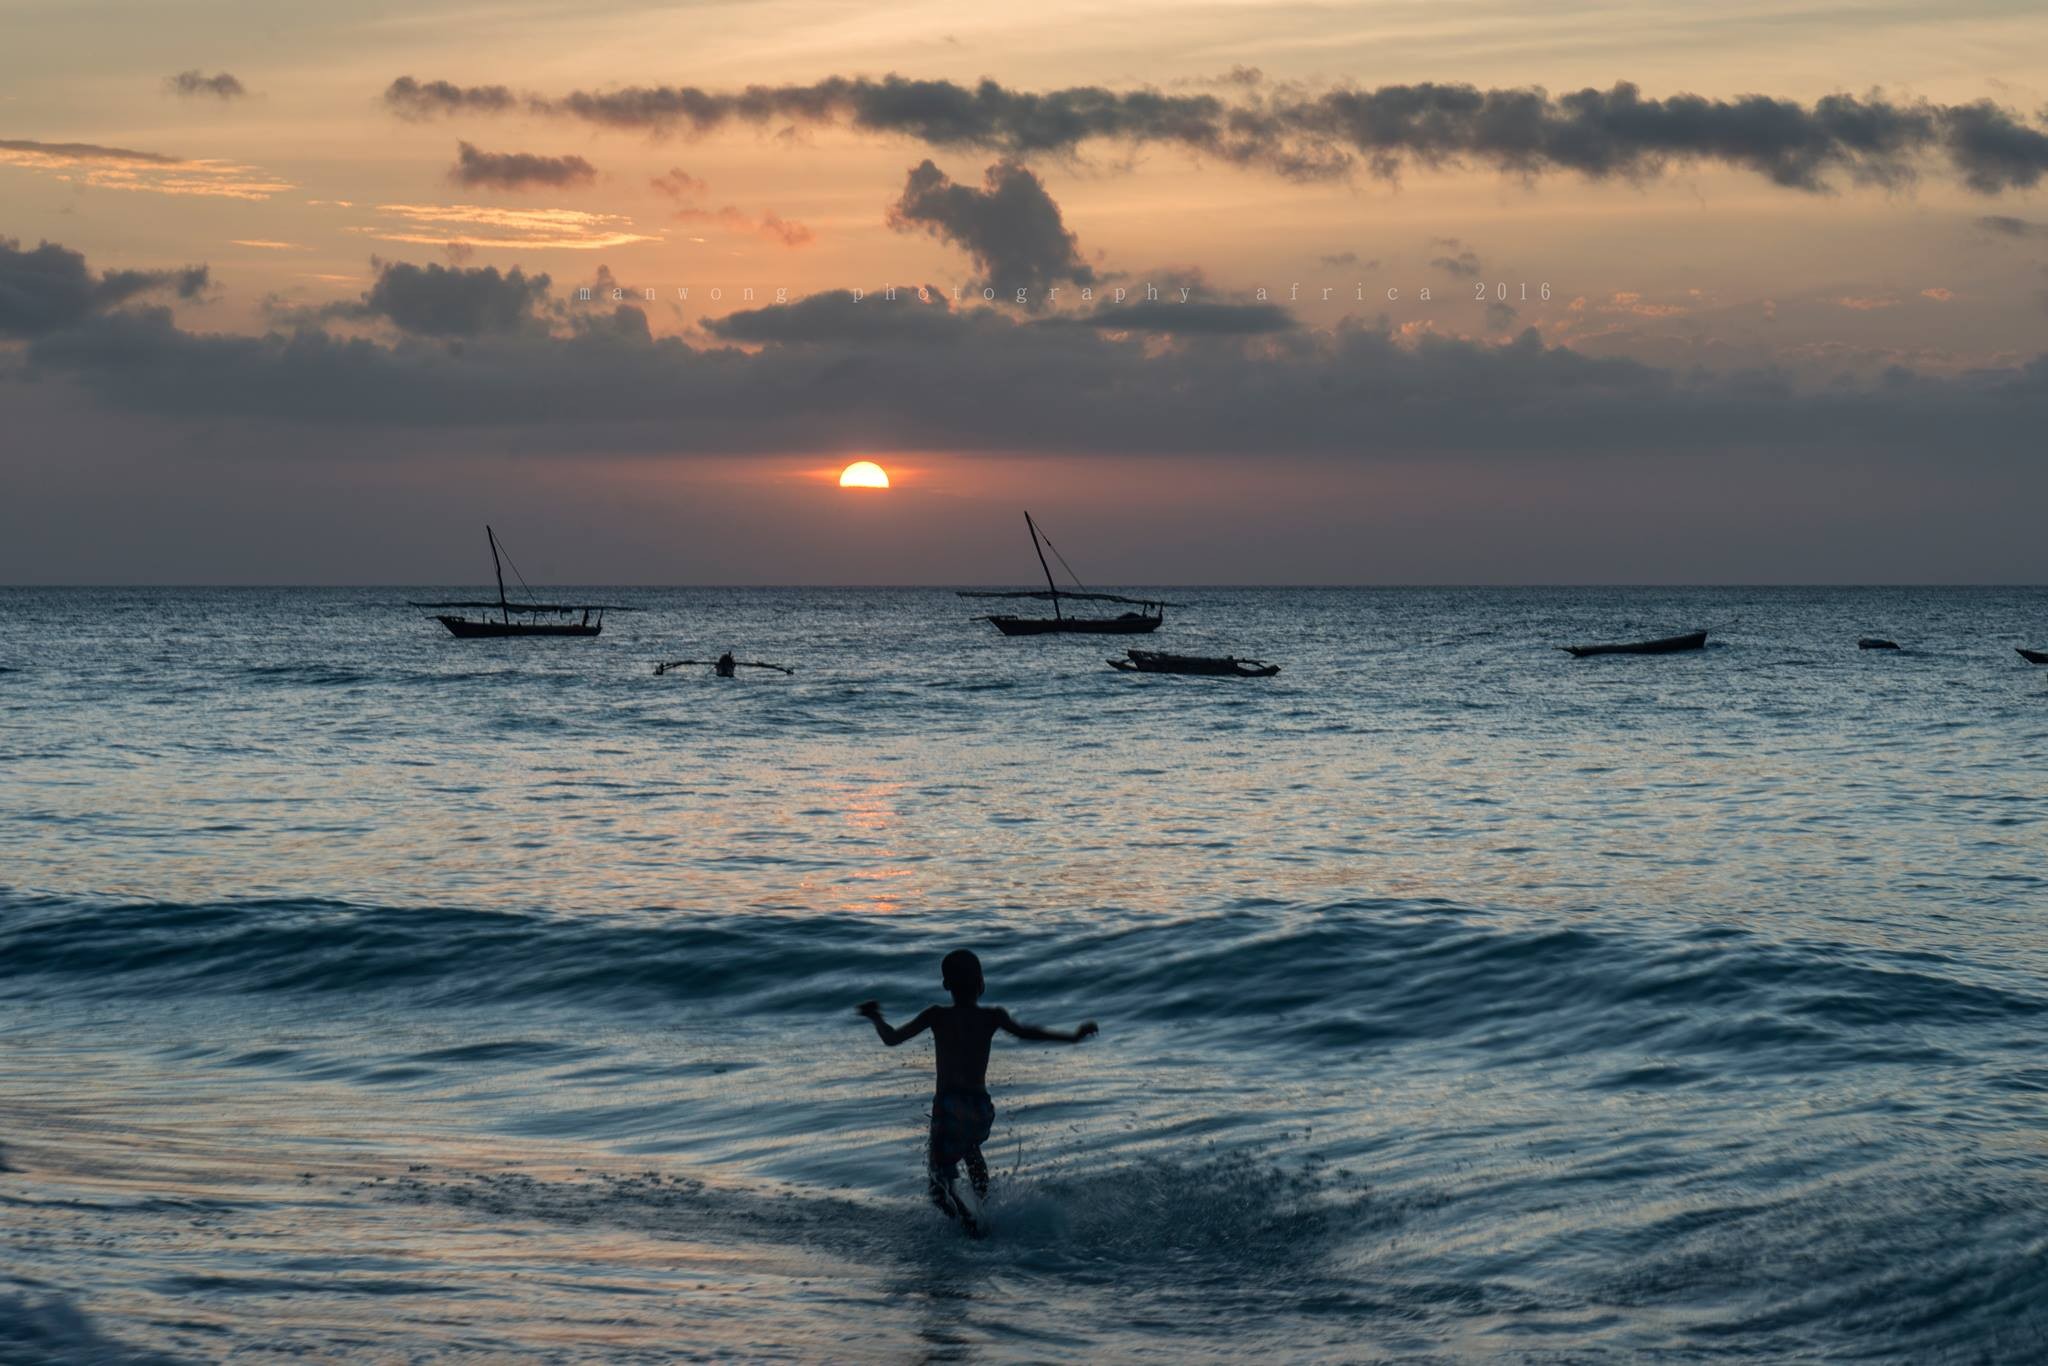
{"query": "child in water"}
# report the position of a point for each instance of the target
(962, 1113)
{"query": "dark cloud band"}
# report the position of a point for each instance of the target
(479, 349)
(1618, 132)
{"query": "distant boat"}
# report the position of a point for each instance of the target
(1159, 662)
(528, 614)
(1146, 618)
(2035, 656)
(1876, 643)
(1694, 640)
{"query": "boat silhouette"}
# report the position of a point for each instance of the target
(520, 618)
(1147, 618)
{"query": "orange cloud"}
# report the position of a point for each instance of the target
(480, 226)
(768, 225)
(123, 168)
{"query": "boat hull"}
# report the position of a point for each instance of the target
(2035, 656)
(1130, 624)
(494, 630)
(1695, 640)
(1158, 662)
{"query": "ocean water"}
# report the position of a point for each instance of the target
(366, 993)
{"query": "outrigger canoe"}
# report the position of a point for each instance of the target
(1159, 662)
(2035, 656)
(1694, 640)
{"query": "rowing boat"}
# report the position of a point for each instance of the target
(1160, 662)
(1694, 640)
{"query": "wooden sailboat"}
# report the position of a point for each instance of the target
(521, 618)
(1147, 618)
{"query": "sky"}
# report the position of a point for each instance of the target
(1222, 292)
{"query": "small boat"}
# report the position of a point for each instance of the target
(1876, 643)
(1147, 618)
(2035, 656)
(1160, 662)
(1694, 640)
(528, 614)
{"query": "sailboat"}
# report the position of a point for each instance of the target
(528, 614)
(1147, 618)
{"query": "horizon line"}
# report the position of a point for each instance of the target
(955, 586)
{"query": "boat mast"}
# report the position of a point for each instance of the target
(1042, 564)
(503, 611)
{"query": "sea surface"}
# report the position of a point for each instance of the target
(370, 994)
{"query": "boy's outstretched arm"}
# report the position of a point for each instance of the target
(889, 1034)
(1037, 1035)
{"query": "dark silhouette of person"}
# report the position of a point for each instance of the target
(725, 666)
(962, 1113)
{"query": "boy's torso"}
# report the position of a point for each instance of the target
(961, 1035)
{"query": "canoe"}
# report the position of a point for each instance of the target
(1876, 643)
(2035, 656)
(1129, 624)
(1668, 645)
(1159, 662)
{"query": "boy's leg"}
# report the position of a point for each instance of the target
(939, 1179)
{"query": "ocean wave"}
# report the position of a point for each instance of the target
(1243, 1217)
(1347, 976)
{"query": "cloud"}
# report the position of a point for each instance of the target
(840, 317)
(1010, 227)
(411, 99)
(1189, 319)
(483, 226)
(1350, 258)
(1305, 134)
(477, 168)
(1993, 149)
(680, 184)
(1859, 303)
(50, 288)
(448, 301)
(2006, 226)
(1465, 264)
(22, 152)
(220, 85)
(926, 375)
(677, 183)
(1939, 294)
(122, 168)
(771, 226)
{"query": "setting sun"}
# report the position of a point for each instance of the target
(863, 474)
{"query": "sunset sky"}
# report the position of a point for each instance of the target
(291, 294)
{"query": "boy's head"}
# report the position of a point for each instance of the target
(960, 973)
